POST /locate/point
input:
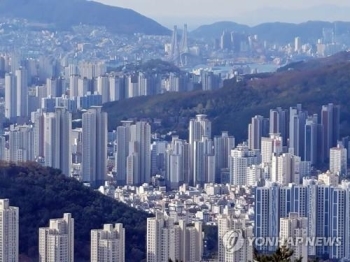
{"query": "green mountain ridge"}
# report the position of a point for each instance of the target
(66, 13)
(44, 193)
(312, 83)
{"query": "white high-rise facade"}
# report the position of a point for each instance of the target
(203, 161)
(22, 92)
(9, 235)
(103, 88)
(108, 244)
(138, 160)
(10, 96)
(21, 144)
(198, 128)
(241, 158)
(56, 242)
(57, 142)
(223, 145)
(122, 151)
(338, 161)
(285, 169)
(270, 146)
(94, 151)
(167, 240)
(226, 223)
(293, 227)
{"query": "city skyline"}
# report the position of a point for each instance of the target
(252, 12)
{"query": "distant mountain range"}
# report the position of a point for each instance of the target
(274, 32)
(65, 13)
(312, 83)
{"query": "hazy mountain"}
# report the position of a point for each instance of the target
(274, 32)
(65, 13)
(312, 83)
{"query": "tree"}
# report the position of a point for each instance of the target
(282, 254)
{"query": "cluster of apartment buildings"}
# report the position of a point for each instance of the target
(56, 242)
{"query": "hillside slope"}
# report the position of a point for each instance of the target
(66, 13)
(230, 108)
(44, 193)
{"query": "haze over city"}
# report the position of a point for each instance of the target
(252, 12)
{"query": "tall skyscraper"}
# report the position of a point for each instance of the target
(167, 240)
(139, 158)
(338, 161)
(108, 244)
(22, 92)
(294, 227)
(9, 236)
(311, 146)
(330, 120)
(223, 145)
(38, 133)
(21, 144)
(10, 96)
(258, 128)
(241, 158)
(122, 151)
(203, 161)
(94, 151)
(270, 146)
(57, 139)
(198, 128)
(297, 120)
(285, 169)
(279, 123)
(175, 52)
(177, 163)
(103, 88)
(56, 242)
(226, 223)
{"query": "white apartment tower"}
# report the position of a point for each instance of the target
(108, 244)
(169, 240)
(139, 159)
(10, 96)
(122, 151)
(226, 223)
(22, 92)
(285, 169)
(241, 158)
(199, 127)
(8, 231)
(56, 242)
(293, 227)
(94, 146)
(57, 142)
(270, 146)
(223, 145)
(21, 144)
(338, 160)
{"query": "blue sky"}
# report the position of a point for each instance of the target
(248, 11)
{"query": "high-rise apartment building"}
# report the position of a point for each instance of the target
(324, 206)
(285, 169)
(258, 128)
(227, 223)
(203, 161)
(330, 120)
(138, 162)
(169, 240)
(57, 142)
(21, 144)
(223, 145)
(338, 161)
(108, 244)
(9, 236)
(94, 146)
(22, 92)
(295, 227)
(122, 151)
(56, 242)
(297, 120)
(241, 158)
(10, 96)
(270, 146)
